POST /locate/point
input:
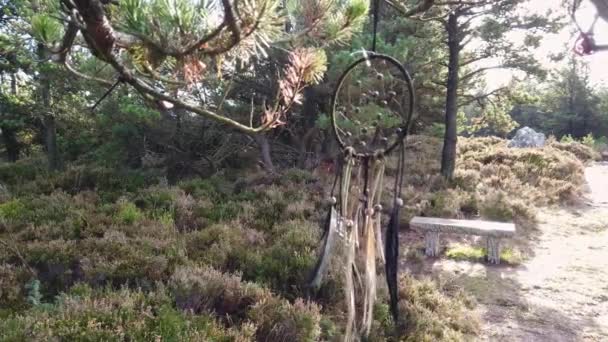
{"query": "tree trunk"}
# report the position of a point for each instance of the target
(50, 140)
(50, 127)
(264, 145)
(448, 156)
(10, 143)
(309, 114)
(9, 134)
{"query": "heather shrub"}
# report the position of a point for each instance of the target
(12, 287)
(286, 264)
(495, 206)
(279, 320)
(128, 213)
(221, 246)
(427, 314)
(445, 203)
(23, 171)
(298, 176)
(84, 314)
(582, 151)
(199, 289)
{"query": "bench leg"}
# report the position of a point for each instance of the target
(431, 240)
(493, 250)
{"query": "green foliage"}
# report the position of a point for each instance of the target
(472, 253)
(34, 297)
(588, 140)
(463, 252)
(12, 210)
(128, 213)
(567, 139)
(46, 29)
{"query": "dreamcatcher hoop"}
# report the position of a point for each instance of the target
(407, 118)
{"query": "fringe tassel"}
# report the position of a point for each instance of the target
(331, 229)
(379, 245)
(392, 261)
(349, 288)
(370, 276)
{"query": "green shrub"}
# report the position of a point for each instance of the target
(12, 210)
(220, 246)
(22, 171)
(128, 213)
(464, 252)
(588, 140)
(219, 212)
(214, 188)
(287, 263)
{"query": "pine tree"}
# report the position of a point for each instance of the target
(485, 23)
(180, 54)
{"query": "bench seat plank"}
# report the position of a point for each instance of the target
(432, 226)
(473, 227)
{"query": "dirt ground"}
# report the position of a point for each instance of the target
(560, 291)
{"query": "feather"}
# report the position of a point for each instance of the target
(370, 276)
(349, 288)
(378, 231)
(331, 229)
(392, 261)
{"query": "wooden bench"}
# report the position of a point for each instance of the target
(494, 231)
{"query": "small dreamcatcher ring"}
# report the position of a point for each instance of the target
(405, 114)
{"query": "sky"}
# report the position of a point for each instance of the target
(555, 43)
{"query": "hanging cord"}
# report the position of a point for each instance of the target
(585, 43)
(375, 24)
(118, 81)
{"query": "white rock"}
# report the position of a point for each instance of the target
(527, 137)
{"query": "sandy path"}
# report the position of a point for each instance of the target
(561, 292)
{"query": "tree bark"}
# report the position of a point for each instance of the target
(50, 140)
(448, 156)
(9, 134)
(262, 141)
(48, 121)
(309, 114)
(10, 143)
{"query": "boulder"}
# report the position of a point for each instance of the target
(527, 137)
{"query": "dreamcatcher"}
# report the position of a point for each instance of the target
(372, 107)
(585, 43)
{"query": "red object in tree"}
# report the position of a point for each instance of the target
(584, 45)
